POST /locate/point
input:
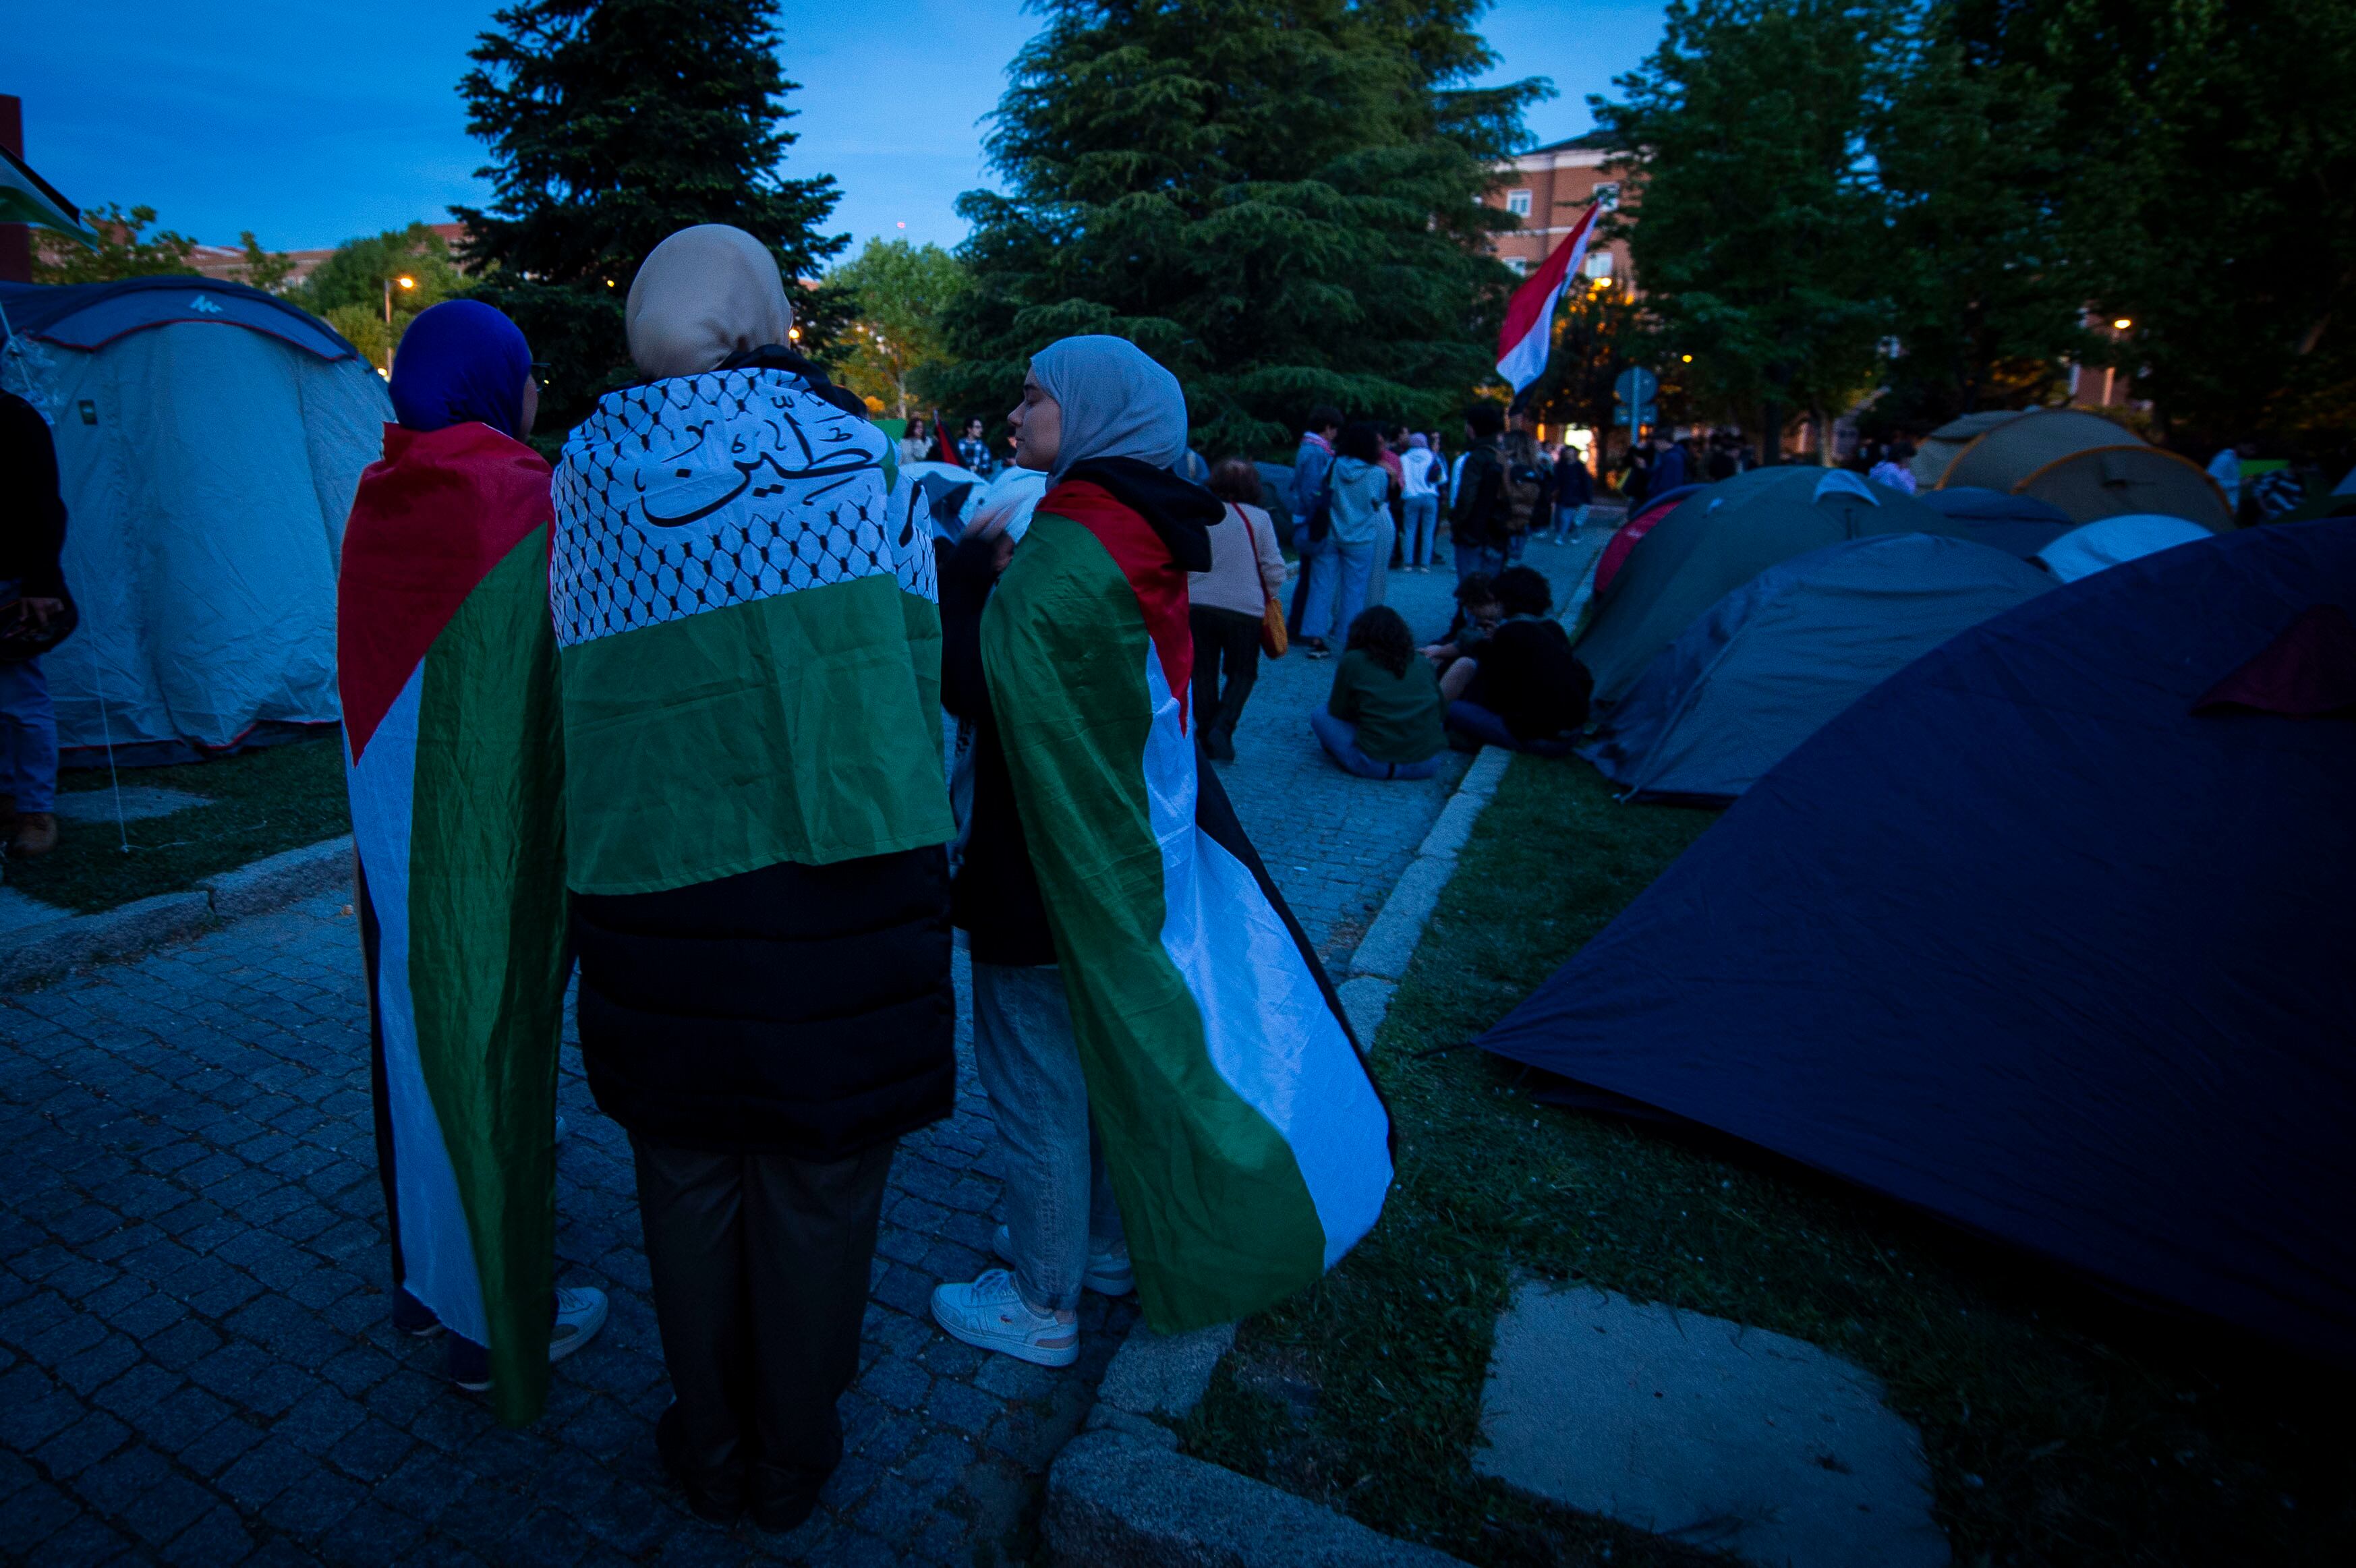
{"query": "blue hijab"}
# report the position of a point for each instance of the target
(461, 360)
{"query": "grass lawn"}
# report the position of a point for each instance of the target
(280, 797)
(2062, 1426)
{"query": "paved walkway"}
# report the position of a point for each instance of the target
(195, 1360)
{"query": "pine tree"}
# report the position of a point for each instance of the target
(1277, 200)
(614, 124)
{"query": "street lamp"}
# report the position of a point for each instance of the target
(2121, 325)
(406, 283)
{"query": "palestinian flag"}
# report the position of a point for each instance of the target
(1245, 1142)
(751, 647)
(447, 669)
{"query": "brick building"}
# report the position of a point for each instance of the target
(1546, 187)
(229, 261)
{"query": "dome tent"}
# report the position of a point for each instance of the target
(2083, 551)
(2084, 465)
(1638, 523)
(1781, 656)
(1940, 447)
(2128, 481)
(2011, 449)
(209, 438)
(2019, 526)
(1718, 539)
(2046, 935)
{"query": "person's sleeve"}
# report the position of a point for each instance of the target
(966, 582)
(1271, 557)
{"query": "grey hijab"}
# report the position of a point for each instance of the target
(1117, 402)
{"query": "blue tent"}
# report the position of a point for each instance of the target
(210, 437)
(2017, 525)
(1777, 658)
(2025, 939)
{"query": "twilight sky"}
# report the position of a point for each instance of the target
(314, 123)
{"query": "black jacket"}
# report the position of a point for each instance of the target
(32, 512)
(996, 901)
(1478, 517)
(1529, 677)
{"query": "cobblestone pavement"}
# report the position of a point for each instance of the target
(197, 1364)
(1335, 843)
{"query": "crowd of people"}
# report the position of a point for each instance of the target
(728, 809)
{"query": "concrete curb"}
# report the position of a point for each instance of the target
(1382, 957)
(1120, 1493)
(45, 951)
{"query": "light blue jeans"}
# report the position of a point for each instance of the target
(29, 738)
(1340, 591)
(1422, 528)
(1059, 1202)
(1568, 520)
(1340, 738)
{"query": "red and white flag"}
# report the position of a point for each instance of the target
(1529, 315)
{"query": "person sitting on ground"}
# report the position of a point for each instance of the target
(1525, 691)
(1383, 719)
(1477, 614)
(1227, 606)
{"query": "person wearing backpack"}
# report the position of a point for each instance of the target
(1476, 518)
(1313, 523)
(1527, 482)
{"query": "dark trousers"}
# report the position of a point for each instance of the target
(1225, 641)
(760, 1281)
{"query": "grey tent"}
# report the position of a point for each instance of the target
(2011, 449)
(2129, 481)
(1779, 657)
(1942, 445)
(1721, 539)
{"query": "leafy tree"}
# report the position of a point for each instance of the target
(613, 123)
(125, 249)
(360, 286)
(1752, 215)
(264, 270)
(1974, 160)
(1276, 198)
(903, 296)
(2212, 202)
(1598, 332)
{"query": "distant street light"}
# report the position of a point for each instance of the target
(406, 283)
(1687, 357)
(2121, 325)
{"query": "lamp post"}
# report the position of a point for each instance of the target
(405, 283)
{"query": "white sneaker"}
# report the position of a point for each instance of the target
(580, 1312)
(991, 1315)
(1109, 1271)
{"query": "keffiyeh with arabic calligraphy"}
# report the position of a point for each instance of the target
(751, 651)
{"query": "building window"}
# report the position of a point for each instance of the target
(1607, 195)
(1517, 202)
(1517, 265)
(1598, 263)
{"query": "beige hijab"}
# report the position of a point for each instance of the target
(702, 295)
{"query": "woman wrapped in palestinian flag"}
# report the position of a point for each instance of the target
(1134, 966)
(448, 669)
(757, 818)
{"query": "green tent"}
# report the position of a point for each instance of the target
(1721, 539)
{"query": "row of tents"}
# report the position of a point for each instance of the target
(2030, 904)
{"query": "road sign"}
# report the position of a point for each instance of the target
(1636, 384)
(1646, 415)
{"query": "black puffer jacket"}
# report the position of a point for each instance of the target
(803, 1010)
